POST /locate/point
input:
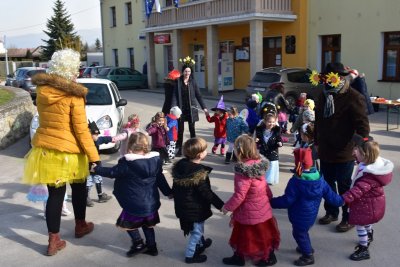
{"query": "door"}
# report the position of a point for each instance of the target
(272, 52)
(199, 67)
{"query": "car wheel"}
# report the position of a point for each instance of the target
(291, 99)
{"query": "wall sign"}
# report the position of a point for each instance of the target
(162, 39)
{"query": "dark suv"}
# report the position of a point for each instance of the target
(295, 81)
(23, 78)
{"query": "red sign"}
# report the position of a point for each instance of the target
(162, 39)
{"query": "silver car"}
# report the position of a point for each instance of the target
(295, 81)
(23, 79)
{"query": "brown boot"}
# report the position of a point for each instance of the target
(83, 228)
(55, 244)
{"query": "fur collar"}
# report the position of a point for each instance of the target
(256, 170)
(132, 157)
(380, 167)
(60, 83)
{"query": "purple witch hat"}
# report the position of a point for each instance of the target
(220, 105)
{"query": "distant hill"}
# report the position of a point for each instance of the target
(35, 39)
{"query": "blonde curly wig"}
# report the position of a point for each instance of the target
(65, 63)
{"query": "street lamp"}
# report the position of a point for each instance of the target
(3, 50)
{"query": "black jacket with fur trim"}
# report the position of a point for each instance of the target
(269, 149)
(192, 192)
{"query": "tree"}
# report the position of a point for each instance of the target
(97, 44)
(60, 30)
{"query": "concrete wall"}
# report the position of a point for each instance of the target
(15, 117)
(361, 24)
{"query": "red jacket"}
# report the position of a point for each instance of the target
(220, 124)
(366, 198)
(250, 201)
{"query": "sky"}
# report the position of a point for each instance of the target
(27, 17)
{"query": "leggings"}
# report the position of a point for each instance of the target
(181, 128)
(55, 202)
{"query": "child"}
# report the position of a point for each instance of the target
(302, 198)
(306, 115)
(172, 124)
(219, 118)
(132, 126)
(307, 141)
(92, 178)
(268, 137)
(235, 126)
(138, 175)
(40, 193)
(366, 198)
(193, 197)
(157, 129)
(255, 233)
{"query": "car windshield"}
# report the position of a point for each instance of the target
(265, 77)
(33, 72)
(98, 94)
(104, 72)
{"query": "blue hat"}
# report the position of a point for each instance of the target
(220, 105)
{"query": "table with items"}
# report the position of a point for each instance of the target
(389, 104)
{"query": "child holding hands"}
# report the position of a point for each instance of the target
(219, 119)
(366, 197)
(255, 233)
(193, 197)
(138, 176)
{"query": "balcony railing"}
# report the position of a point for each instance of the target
(217, 9)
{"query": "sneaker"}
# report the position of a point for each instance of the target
(206, 244)
(196, 259)
(65, 212)
(327, 219)
(304, 260)
(360, 254)
(89, 202)
(104, 198)
(234, 260)
(136, 248)
(343, 226)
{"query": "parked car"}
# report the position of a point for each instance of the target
(92, 72)
(295, 81)
(124, 77)
(23, 78)
(104, 105)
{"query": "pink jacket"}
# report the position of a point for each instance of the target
(366, 198)
(250, 200)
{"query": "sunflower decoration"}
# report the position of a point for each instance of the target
(187, 62)
(333, 79)
(315, 78)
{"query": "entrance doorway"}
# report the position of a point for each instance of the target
(272, 52)
(199, 67)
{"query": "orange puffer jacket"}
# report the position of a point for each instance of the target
(62, 116)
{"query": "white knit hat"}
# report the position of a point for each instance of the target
(176, 111)
(65, 63)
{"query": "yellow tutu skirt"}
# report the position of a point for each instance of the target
(54, 168)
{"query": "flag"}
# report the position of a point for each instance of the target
(176, 2)
(158, 6)
(148, 5)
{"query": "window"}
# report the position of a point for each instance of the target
(299, 76)
(113, 17)
(98, 94)
(128, 13)
(131, 58)
(115, 54)
(391, 56)
(330, 49)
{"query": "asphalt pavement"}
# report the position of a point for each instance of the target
(23, 230)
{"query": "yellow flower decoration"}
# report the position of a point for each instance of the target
(314, 78)
(187, 61)
(333, 79)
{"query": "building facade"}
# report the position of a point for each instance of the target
(362, 34)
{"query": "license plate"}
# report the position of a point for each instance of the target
(259, 89)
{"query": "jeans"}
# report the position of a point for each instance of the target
(337, 174)
(194, 239)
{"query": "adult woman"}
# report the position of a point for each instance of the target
(62, 145)
(169, 87)
(185, 95)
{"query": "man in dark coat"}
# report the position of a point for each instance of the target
(340, 112)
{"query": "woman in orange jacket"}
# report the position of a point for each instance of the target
(62, 145)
